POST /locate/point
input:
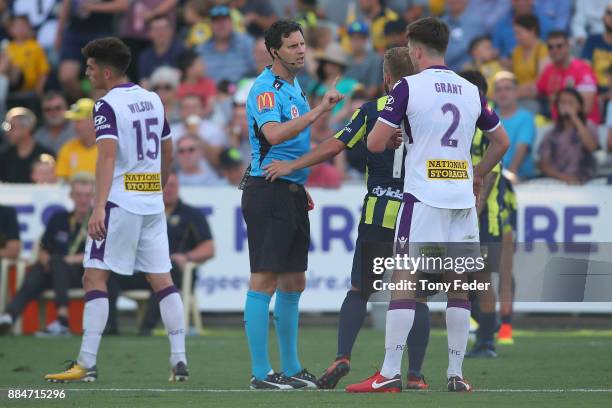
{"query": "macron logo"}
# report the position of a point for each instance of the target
(98, 105)
(402, 241)
(98, 244)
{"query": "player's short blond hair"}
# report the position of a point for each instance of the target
(397, 62)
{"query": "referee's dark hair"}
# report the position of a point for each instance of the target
(279, 30)
(109, 51)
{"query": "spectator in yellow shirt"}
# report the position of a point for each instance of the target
(79, 154)
(27, 56)
(530, 54)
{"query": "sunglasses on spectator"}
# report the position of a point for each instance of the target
(189, 149)
(555, 46)
(55, 108)
(163, 88)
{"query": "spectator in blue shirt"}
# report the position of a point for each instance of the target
(558, 11)
(503, 35)
(598, 51)
(518, 122)
(164, 49)
(463, 27)
(228, 54)
(491, 11)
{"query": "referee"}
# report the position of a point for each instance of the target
(276, 213)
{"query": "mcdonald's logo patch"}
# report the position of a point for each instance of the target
(265, 101)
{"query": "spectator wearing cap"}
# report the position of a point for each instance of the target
(43, 170)
(231, 165)
(165, 81)
(193, 170)
(518, 122)
(194, 80)
(164, 49)
(258, 15)
(598, 51)
(463, 28)
(503, 35)
(56, 129)
(395, 33)
(332, 65)
(364, 65)
(16, 161)
(80, 22)
(79, 155)
(376, 15)
(567, 71)
(227, 54)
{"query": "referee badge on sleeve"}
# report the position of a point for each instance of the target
(265, 100)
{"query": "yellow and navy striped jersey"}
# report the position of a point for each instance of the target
(385, 189)
(490, 218)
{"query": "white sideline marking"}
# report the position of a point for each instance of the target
(163, 390)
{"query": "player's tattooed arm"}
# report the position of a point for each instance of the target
(105, 168)
(166, 160)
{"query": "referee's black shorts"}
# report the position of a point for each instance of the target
(278, 229)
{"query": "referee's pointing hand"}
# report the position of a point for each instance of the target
(331, 97)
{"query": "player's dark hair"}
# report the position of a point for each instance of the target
(397, 62)
(109, 51)
(476, 78)
(557, 34)
(431, 32)
(529, 22)
(279, 30)
(476, 41)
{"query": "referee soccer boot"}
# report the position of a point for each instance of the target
(74, 372)
(377, 383)
(458, 384)
(276, 381)
(309, 380)
(179, 373)
(415, 382)
(338, 369)
(482, 350)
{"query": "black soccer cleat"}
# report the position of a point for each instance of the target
(179, 373)
(458, 384)
(276, 381)
(309, 380)
(330, 378)
(482, 350)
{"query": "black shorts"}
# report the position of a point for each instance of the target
(380, 244)
(278, 229)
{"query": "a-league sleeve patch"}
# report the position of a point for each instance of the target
(265, 100)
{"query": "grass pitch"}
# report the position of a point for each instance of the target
(547, 368)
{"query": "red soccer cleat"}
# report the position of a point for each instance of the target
(416, 383)
(377, 383)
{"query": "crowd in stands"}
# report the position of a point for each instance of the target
(548, 64)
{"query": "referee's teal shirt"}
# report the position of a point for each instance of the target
(272, 99)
